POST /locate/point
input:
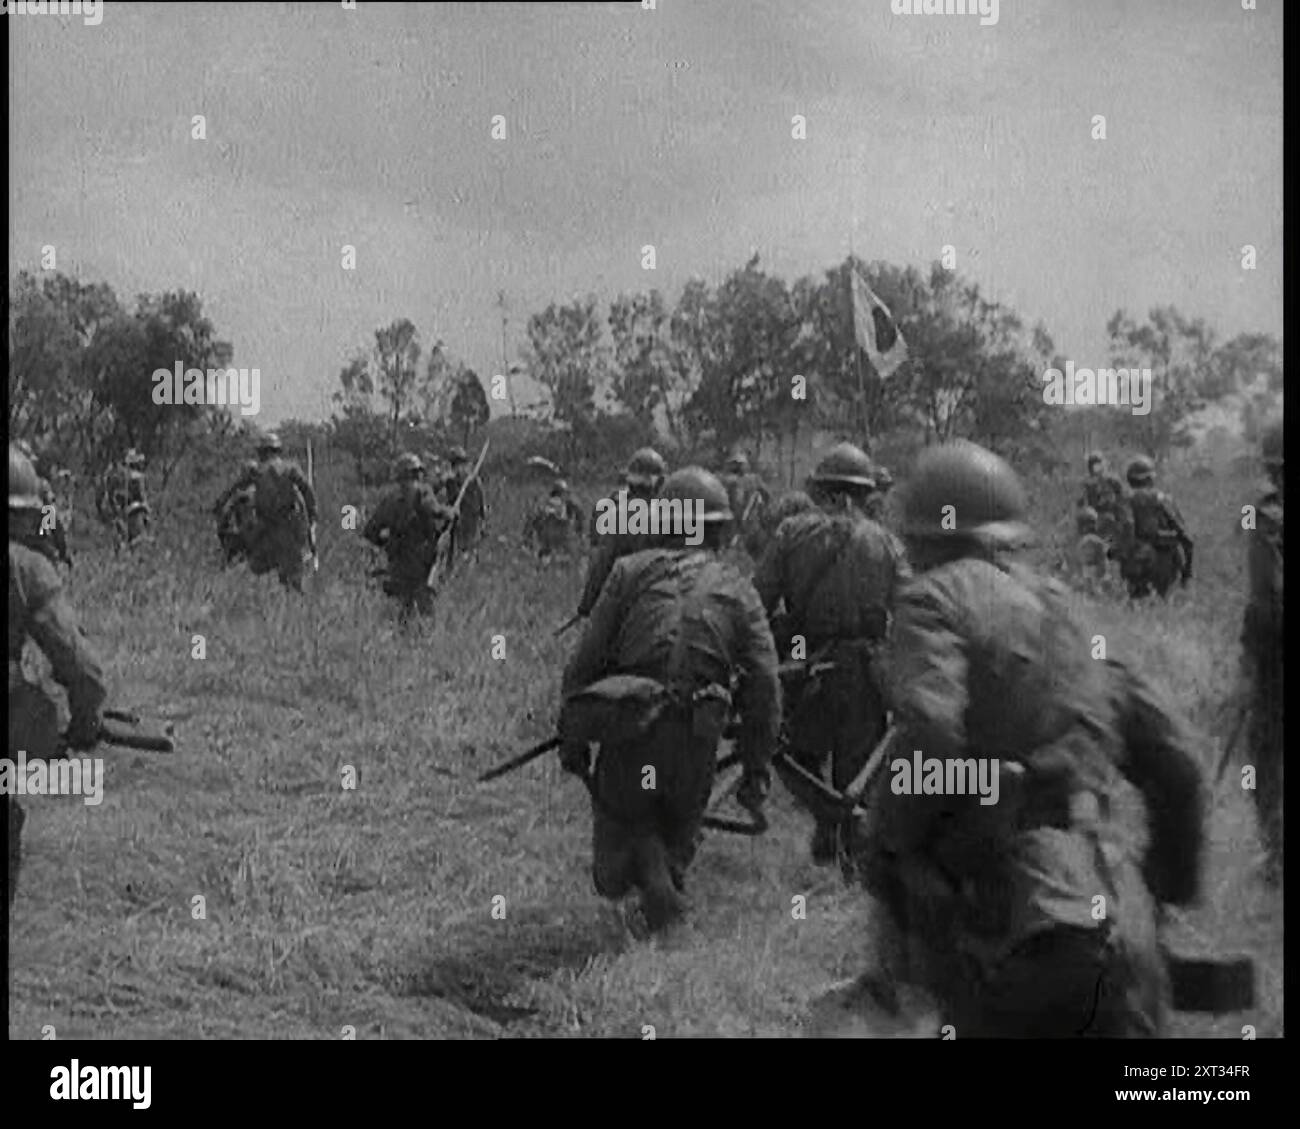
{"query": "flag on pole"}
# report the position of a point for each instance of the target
(875, 329)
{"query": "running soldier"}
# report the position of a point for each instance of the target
(749, 498)
(406, 524)
(557, 525)
(650, 683)
(39, 610)
(471, 521)
(642, 478)
(285, 505)
(836, 573)
(1154, 547)
(1104, 493)
(121, 501)
(995, 907)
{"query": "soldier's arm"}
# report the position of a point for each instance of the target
(927, 689)
(759, 691)
(243, 482)
(602, 563)
(53, 627)
(595, 653)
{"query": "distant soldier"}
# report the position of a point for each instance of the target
(1263, 650)
(557, 525)
(39, 610)
(1104, 493)
(650, 682)
(836, 573)
(406, 524)
(237, 519)
(1154, 547)
(472, 518)
(121, 501)
(641, 478)
(1090, 560)
(285, 506)
(749, 498)
(994, 906)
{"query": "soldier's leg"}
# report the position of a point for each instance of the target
(686, 797)
(622, 818)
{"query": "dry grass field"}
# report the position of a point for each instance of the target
(372, 908)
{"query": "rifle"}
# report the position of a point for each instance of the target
(444, 538)
(566, 625)
(539, 750)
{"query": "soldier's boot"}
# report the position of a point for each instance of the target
(661, 904)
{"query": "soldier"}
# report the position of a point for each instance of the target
(472, 518)
(121, 501)
(285, 507)
(994, 905)
(749, 499)
(1090, 561)
(406, 524)
(556, 525)
(641, 478)
(1153, 545)
(836, 572)
(1103, 492)
(650, 682)
(1263, 650)
(39, 611)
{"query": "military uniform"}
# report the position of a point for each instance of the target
(676, 623)
(557, 525)
(642, 476)
(995, 904)
(1104, 492)
(472, 517)
(1155, 549)
(1264, 651)
(237, 519)
(39, 610)
(836, 573)
(121, 500)
(406, 524)
(285, 507)
(749, 499)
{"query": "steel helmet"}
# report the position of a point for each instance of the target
(985, 494)
(1141, 471)
(408, 466)
(1271, 444)
(845, 465)
(1086, 518)
(457, 455)
(1096, 458)
(270, 441)
(24, 483)
(796, 502)
(645, 468)
(884, 479)
(695, 484)
(738, 461)
(559, 487)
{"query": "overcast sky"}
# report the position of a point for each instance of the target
(625, 127)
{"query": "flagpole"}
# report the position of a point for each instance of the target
(857, 351)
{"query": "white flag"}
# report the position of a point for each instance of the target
(874, 327)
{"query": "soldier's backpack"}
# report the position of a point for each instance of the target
(277, 497)
(1157, 759)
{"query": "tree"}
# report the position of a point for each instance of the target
(397, 356)
(565, 353)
